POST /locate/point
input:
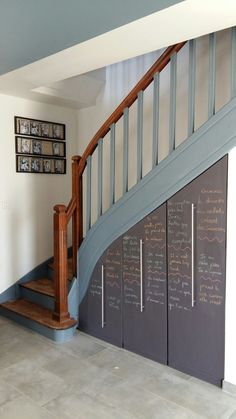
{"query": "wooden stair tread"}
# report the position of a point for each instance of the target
(37, 313)
(42, 285)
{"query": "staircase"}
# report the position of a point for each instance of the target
(43, 304)
(34, 306)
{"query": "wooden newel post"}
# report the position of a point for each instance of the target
(76, 214)
(60, 264)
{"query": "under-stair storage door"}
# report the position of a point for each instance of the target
(196, 275)
(101, 309)
(144, 287)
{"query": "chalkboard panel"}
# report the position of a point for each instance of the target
(92, 306)
(145, 332)
(196, 334)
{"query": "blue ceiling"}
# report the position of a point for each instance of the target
(33, 29)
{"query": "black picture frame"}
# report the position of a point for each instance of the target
(34, 146)
(37, 164)
(39, 128)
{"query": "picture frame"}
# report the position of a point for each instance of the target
(35, 164)
(39, 128)
(32, 146)
(40, 146)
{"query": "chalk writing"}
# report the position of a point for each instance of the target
(155, 257)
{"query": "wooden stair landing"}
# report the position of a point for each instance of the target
(43, 286)
(37, 313)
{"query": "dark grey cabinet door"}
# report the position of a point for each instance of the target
(196, 271)
(144, 287)
(101, 308)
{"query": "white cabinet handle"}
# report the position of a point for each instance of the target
(141, 274)
(193, 256)
(103, 313)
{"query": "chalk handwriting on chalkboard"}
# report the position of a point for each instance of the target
(179, 254)
(112, 274)
(155, 257)
(131, 269)
(211, 245)
(112, 278)
(211, 215)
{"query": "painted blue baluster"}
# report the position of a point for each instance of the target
(100, 177)
(233, 64)
(125, 149)
(140, 136)
(191, 85)
(156, 95)
(172, 122)
(112, 165)
(88, 202)
(212, 75)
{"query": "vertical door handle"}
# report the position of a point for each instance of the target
(103, 302)
(193, 256)
(141, 274)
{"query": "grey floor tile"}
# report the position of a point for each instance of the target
(233, 416)
(83, 406)
(24, 408)
(37, 383)
(143, 404)
(76, 372)
(7, 393)
(83, 346)
(124, 364)
(191, 395)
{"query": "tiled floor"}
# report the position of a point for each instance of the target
(90, 379)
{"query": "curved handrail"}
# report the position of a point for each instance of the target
(158, 66)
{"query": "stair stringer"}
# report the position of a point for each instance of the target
(202, 149)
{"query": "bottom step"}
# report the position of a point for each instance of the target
(38, 319)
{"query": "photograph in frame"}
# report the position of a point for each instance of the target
(35, 165)
(47, 167)
(37, 147)
(58, 131)
(23, 126)
(23, 164)
(46, 129)
(35, 128)
(24, 146)
(56, 147)
(59, 166)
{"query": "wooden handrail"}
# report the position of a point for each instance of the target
(158, 66)
(71, 208)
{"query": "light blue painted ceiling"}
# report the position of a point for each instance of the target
(34, 29)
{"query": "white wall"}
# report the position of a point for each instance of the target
(230, 337)
(27, 200)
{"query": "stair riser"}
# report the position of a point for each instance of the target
(59, 336)
(38, 298)
(50, 273)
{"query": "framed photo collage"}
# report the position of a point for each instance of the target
(40, 146)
